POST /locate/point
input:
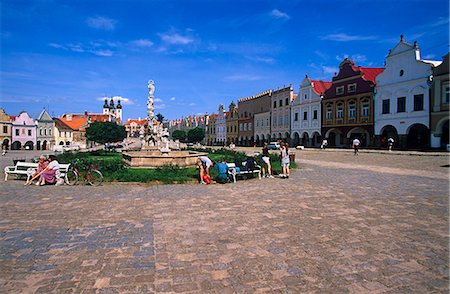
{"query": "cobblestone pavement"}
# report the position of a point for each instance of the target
(340, 224)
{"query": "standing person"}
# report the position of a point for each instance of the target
(48, 175)
(284, 148)
(324, 144)
(355, 145)
(266, 160)
(390, 143)
(204, 164)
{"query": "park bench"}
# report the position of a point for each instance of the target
(21, 169)
(61, 173)
(234, 173)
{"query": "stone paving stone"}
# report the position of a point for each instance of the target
(331, 228)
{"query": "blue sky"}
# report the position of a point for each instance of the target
(66, 55)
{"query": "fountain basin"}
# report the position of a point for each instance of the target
(155, 158)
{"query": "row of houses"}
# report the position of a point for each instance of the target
(407, 100)
(22, 132)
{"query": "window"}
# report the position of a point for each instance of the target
(17, 132)
(249, 126)
(401, 104)
(445, 93)
(245, 126)
(418, 102)
(340, 111)
(240, 127)
(280, 103)
(296, 116)
(274, 104)
(385, 106)
(245, 114)
(287, 102)
(352, 110)
(351, 88)
(402, 72)
(40, 131)
(365, 109)
(329, 113)
(306, 96)
(305, 115)
(5, 129)
(45, 132)
(280, 121)
(315, 114)
(340, 90)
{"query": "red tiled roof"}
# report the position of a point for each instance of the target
(320, 86)
(98, 117)
(75, 123)
(137, 121)
(370, 73)
(60, 124)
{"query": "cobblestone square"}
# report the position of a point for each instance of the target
(373, 223)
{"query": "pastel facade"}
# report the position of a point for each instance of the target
(306, 113)
(45, 139)
(281, 113)
(347, 106)
(63, 133)
(133, 126)
(232, 124)
(221, 126)
(440, 95)
(23, 132)
(248, 107)
(262, 127)
(402, 104)
(5, 130)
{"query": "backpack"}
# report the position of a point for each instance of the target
(250, 163)
(207, 179)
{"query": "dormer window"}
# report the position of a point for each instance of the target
(340, 90)
(351, 88)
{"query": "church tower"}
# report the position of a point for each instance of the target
(106, 107)
(119, 112)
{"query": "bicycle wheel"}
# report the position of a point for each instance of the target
(94, 177)
(71, 178)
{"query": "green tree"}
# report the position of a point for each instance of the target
(196, 135)
(105, 132)
(160, 118)
(179, 135)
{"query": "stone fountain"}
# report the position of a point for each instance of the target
(156, 148)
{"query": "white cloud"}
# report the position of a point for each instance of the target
(158, 100)
(192, 104)
(106, 53)
(262, 59)
(176, 39)
(329, 69)
(355, 57)
(123, 100)
(142, 43)
(160, 106)
(100, 22)
(279, 14)
(243, 78)
(346, 38)
(172, 99)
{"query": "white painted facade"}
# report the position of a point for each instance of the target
(221, 126)
(406, 75)
(262, 126)
(306, 114)
(281, 100)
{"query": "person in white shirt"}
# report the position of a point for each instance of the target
(48, 176)
(355, 145)
(204, 163)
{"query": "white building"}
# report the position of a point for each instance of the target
(402, 98)
(221, 126)
(306, 113)
(281, 111)
(262, 127)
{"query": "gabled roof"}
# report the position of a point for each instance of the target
(61, 125)
(44, 116)
(136, 121)
(320, 86)
(76, 123)
(98, 117)
(370, 73)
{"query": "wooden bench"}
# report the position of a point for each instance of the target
(233, 172)
(61, 173)
(21, 169)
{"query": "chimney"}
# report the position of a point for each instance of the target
(69, 117)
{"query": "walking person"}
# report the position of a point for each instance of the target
(266, 161)
(285, 161)
(355, 145)
(324, 144)
(390, 143)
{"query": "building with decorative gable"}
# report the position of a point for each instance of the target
(402, 103)
(63, 133)
(5, 130)
(221, 126)
(281, 113)
(45, 139)
(232, 124)
(23, 132)
(347, 106)
(306, 113)
(440, 95)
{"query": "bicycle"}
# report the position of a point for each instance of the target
(90, 174)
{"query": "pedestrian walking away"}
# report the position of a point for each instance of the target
(390, 143)
(355, 145)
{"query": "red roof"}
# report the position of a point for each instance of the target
(320, 86)
(75, 123)
(98, 117)
(137, 121)
(370, 73)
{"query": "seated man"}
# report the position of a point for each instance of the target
(222, 168)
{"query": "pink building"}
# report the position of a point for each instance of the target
(23, 132)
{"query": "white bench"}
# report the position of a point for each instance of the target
(61, 173)
(232, 171)
(21, 168)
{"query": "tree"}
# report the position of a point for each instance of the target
(160, 118)
(105, 132)
(196, 135)
(179, 135)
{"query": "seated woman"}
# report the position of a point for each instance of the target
(48, 176)
(42, 164)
